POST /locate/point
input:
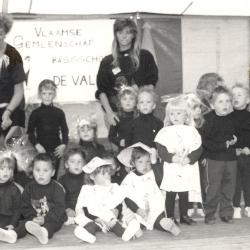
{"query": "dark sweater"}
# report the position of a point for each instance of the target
(215, 132)
(122, 129)
(10, 202)
(46, 123)
(44, 200)
(107, 77)
(11, 72)
(144, 129)
(72, 184)
(242, 119)
(92, 149)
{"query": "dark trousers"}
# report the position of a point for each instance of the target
(220, 187)
(242, 181)
(51, 227)
(117, 229)
(170, 203)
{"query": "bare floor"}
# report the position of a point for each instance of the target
(200, 236)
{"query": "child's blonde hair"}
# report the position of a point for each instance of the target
(46, 84)
(178, 103)
(241, 86)
(150, 91)
(126, 91)
(102, 169)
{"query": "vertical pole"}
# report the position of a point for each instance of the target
(5, 6)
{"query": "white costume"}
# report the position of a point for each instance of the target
(99, 200)
(144, 191)
(182, 140)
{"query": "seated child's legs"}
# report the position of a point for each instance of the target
(92, 228)
(52, 227)
(163, 223)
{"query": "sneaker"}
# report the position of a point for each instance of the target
(187, 220)
(200, 212)
(131, 230)
(83, 234)
(39, 232)
(190, 212)
(70, 221)
(247, 211)
(8, 236)
(210, 221)
(227, 219)
(168, 225)
(138, 234)
(237, 213)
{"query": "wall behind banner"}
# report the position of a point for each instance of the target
(215, 44)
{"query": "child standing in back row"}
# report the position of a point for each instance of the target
(179, 146)
(119, 133)
(218, 139)
(47, 127)
(242, 116)
(146, 125)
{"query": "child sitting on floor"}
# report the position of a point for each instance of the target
(73, 179)
(97, 204)
(146, 201)
(87, 132)
(10, 199)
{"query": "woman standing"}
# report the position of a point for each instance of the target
(128, 65)
(12, 77)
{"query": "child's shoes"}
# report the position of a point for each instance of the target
(237, 213)
(190, 212)
(39, 232)
(83, 234)
(131, 230)
(170, 226)
(8, 236)
(200, 212)
(247, 211)
(70, 221)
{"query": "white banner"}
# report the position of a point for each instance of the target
(68, 52)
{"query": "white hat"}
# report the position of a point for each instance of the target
(95, 163)
(125, 155)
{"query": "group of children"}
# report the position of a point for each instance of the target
(199, 158)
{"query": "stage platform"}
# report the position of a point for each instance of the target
(219, 236)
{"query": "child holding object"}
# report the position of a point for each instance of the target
(97, 204)
(179, 146)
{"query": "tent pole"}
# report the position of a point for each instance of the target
(5, 6)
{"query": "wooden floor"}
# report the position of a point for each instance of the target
(219, 236)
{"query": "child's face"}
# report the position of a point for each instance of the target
(143, 164)
(128, 102)
(222, 104)
(240, 98)
(6, 173)
(177, 116)
(102, 179)
(75, 164)
(43, 172)
(87, 133)
(146, 103)
(47, 96)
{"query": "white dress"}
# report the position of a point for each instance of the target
(99, 200)
(144, 191)
(181, 139)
